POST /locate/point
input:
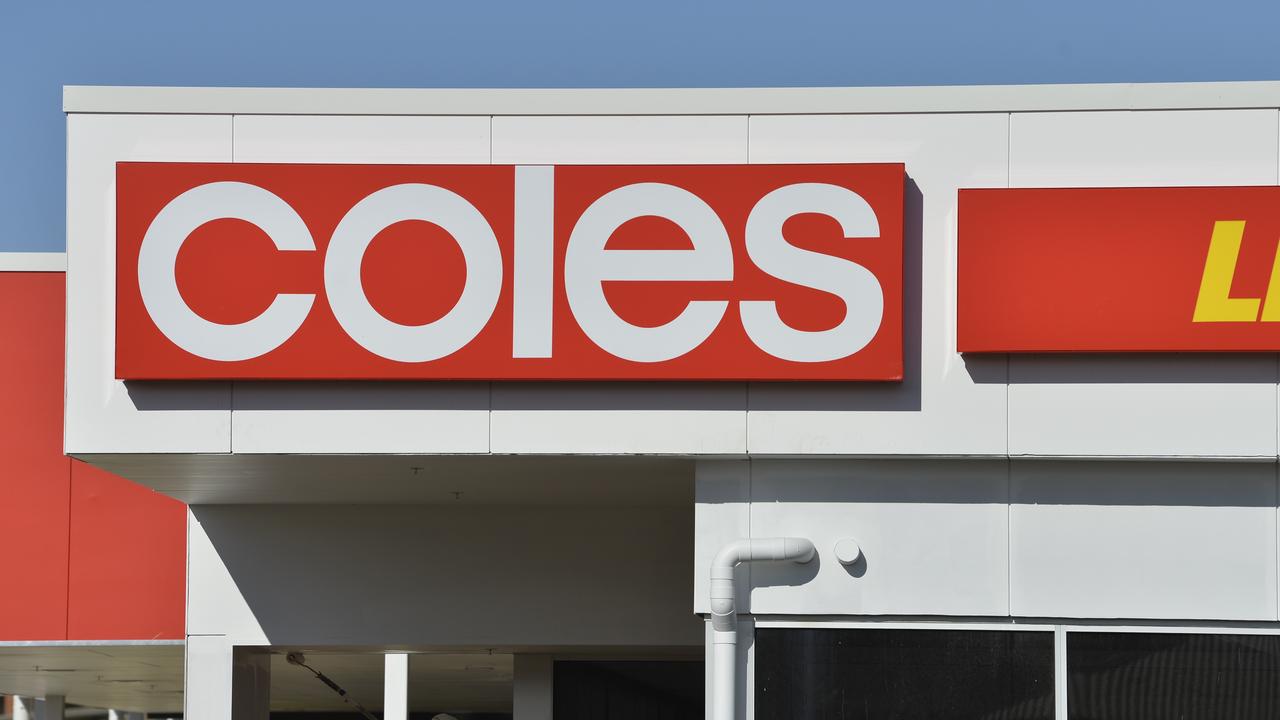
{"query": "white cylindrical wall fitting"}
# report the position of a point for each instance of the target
(724, 613)
(848, 551)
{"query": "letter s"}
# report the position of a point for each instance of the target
(159, 286)
(854, 284)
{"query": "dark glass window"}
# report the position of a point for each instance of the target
(628, 690)
(814, 674)
(1157, 676)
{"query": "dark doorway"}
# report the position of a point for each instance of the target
(628, 690)
(1154, 676)
(837, 674)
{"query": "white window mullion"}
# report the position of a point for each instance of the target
(1060, 672)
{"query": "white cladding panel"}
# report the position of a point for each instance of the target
(1136, 405)
(207, 677)
(401, 417)
(934, 537)
(366, 139)
(619, 418)
(104, 414)
(1143, 148)
(619, 139)
(215, 603)
(721, 514)
(1154, 405)
(946, 404)
(1130, 540)
(1137, 540)
(393, 417)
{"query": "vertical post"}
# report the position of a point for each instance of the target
(1060, 672)
(395, 687)
(223, 682)
(207, 678)
(532, 697)
(23, 708)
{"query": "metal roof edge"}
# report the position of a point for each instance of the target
(33, 262)
(45, 644)
(670, 101)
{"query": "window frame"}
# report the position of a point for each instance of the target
(1059, 628)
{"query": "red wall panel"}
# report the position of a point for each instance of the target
(86, 555)
(128, 559)
(34, 474)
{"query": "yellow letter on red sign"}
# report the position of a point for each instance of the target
(1214, 303)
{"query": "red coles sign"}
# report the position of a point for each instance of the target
(713, 272)
(1119, 270)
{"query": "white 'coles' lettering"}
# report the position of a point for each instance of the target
(587, 265)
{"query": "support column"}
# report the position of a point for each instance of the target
(532, 692)
(395, 687)
(207, 681)
(24, 708)
(224, 682)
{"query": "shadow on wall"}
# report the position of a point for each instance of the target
(170, 395)
(450, 576)
(1024, 481)
(1141, 368)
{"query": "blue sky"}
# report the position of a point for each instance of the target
(641, 43)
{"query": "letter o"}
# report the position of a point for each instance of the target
(351, 239)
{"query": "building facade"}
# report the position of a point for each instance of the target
(556, 528)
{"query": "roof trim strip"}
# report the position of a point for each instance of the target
(33, 262)
(678, 101)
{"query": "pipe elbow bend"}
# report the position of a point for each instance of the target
(723, 569)
(728, 558)
(795, 549)
(724, 614)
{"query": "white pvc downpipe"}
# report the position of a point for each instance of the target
(724, 613)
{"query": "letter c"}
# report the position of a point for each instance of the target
(158, 283)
